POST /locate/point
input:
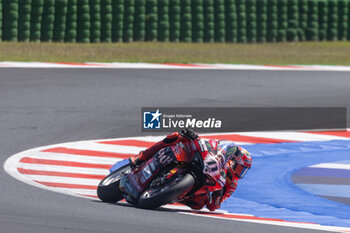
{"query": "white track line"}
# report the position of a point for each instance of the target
(116, 65)
(294, 136)
(77, 192)
(147, 138)
(240, 143)
(285, 224)
(268, 222)
(332, 166)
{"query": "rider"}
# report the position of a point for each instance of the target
(237, 162)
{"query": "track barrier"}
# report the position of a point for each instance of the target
(232, 21)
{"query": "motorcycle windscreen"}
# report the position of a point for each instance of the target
(118, 165)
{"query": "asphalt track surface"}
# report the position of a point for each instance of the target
(46, 106)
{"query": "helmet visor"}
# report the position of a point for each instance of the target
(239, 170)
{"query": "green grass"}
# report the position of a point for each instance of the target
(330, 53)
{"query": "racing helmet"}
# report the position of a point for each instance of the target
(240, 162)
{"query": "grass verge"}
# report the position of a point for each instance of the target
(326, 53)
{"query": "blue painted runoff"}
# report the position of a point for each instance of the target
(268, 191)
(331, 190)
(326, 172)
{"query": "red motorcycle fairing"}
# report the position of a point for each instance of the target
(212, 165)
(184, 152)
(212, 180)
(135, 182)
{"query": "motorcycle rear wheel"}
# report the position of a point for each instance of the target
(153, 198)
(108, 189)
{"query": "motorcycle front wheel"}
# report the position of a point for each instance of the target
(156, 196)
(108, 189)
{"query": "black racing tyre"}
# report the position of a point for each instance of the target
(108, 189)
(153, 198)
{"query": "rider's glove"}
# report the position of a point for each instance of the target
(135, 161)
(215, 200)
(189, 134)
(216, 197)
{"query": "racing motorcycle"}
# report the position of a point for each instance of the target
(174, 174)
